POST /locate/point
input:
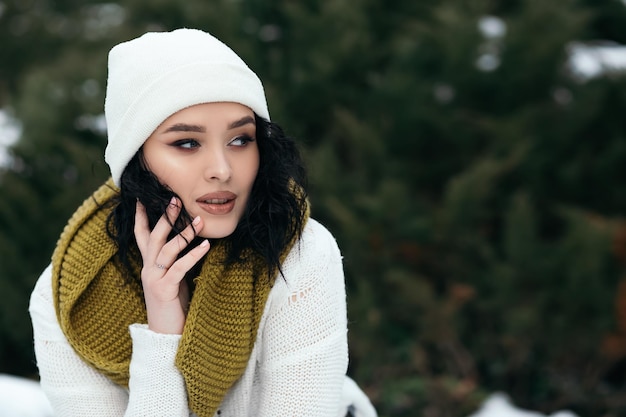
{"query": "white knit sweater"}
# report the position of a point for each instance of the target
(297, 366)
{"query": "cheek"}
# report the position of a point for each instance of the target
(155, 161)
(167, 175)
(247, 167)
(253, 170)
(167, 172)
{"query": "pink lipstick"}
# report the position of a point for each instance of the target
(218, 203)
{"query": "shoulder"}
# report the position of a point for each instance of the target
(316, 237)
(42, 311)
(41, 297)
(316, 245)
(314, 261)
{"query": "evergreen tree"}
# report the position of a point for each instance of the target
(471, 180)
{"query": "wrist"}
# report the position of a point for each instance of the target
(166, 318)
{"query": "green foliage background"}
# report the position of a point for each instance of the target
(480, 212)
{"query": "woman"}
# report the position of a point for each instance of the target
(193, 281)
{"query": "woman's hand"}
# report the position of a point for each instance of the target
(165, 291)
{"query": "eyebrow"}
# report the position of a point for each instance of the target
(242, 122)
(184, 127)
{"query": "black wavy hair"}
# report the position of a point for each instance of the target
(273, 217)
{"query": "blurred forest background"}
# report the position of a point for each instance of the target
(474, 179)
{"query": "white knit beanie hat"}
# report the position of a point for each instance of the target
(156, 75)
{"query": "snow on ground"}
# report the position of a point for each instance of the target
(20, 397)
(499, 405)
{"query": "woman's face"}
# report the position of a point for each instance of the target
(208, 155)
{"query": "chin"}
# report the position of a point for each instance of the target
(217, 231)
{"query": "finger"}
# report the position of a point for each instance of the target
(164, 225)
(141, 228)
(178, 270)
(171, 249)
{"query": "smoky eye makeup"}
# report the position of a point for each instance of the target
(185, 143)
(241, 140)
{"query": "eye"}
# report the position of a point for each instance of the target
(241, 141)
(186, 144)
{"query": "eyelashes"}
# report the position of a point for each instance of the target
(185, 144)
(239, 141)
(242, 140)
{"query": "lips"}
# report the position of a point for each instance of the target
(218, 203)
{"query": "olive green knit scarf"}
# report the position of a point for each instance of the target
(95, 304)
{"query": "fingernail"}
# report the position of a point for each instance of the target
(196, 221)
(204, 243)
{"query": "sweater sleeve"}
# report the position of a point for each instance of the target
(76, 389)
(304, 340)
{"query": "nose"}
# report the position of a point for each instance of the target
(217, 166)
